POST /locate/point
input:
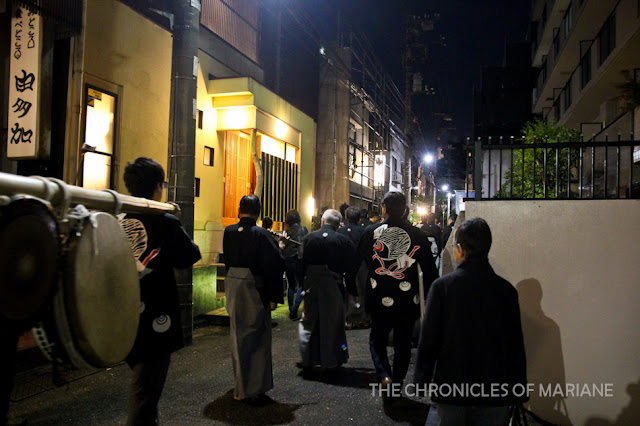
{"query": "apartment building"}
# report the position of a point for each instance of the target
(586, 49)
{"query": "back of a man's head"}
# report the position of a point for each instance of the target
(332, 217)
(142, 177)
(453, 217)
(292, 217)
(353, 214)
(395, 204)
(474, 236)
(267, 222)
(343, 209)
(250, 205)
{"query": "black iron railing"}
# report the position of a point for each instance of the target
(549, 170)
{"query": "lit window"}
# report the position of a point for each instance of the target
(99, 136)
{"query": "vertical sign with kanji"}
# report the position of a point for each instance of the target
(24, 75)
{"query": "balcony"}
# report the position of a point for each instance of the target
(562, 55)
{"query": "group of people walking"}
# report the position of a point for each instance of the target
(471, 331)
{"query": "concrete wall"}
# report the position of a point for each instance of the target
(333, 105)
(124, 49)
(575, 266)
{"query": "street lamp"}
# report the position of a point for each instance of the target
(449, 195)
(428, 158)
(445, 187)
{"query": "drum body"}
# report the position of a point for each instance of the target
(94, 318)
(29, 255)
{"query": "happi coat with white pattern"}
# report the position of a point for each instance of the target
(392, 251)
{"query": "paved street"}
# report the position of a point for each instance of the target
(199, 389)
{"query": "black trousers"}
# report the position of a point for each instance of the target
(146, 388)
(381, 327)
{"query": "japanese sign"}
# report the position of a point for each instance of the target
(24, 84)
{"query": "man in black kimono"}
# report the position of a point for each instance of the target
(393, 250)
(159, 244)
(326, 256)
(355, 280)
(254, 280)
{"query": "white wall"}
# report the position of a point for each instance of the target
(575, 266)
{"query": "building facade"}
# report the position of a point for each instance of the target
(109, 91)
(585, 50)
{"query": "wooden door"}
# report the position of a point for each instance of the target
(237, 173)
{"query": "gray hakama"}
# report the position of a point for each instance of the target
(323, 340)
(250, 334)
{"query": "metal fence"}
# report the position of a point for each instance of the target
(550, 170)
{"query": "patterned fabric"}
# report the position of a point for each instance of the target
(159, 244)
(392, 250)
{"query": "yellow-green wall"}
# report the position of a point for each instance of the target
(127, 50)
(245, 92)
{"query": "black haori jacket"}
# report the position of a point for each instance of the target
(472, 335)
(393, 250)
(159, 244)
(247, 245)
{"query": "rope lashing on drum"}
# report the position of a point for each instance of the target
(80, 216)
(66, 196)
(117, 198)
(48, 193)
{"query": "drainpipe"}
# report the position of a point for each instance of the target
(74, 105)
(182, 144)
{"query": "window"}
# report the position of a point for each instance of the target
(567, 95)
(607, 38)
(200, 117)
(99, 139)
(544, 18)
(197, 188)
(568, 21)
(208, 156)
(556, 45)
(585, 68)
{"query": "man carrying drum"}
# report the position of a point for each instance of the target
(159, 244)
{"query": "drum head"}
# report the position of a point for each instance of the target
(29, 249)
(102, 292)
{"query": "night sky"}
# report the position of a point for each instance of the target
(475, 33)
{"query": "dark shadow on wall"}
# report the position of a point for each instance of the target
(268, 412)
(630, 415)
(543, 346)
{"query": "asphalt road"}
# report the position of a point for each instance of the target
(199, 390)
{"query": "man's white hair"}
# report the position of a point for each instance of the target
(332, 217)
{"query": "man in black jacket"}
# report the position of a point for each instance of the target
(393, 250)
(472, 337)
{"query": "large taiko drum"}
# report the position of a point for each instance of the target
(29, 253)
(94, 317)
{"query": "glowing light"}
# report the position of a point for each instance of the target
(445, 187)
(271, 146)
(236, 118)
(422, 211)
(281, 129)
(428, 158)
(379, 169)
(311, 206)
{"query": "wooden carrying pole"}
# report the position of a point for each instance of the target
(57, 192)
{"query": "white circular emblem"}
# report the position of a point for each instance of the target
(240, 229)
(405, 286)
(387, 301)
(416, 299)
(374, 283)
(325, 234)
(161, 324)
(348, 229)
(142, 306)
